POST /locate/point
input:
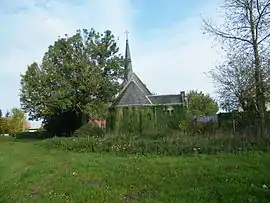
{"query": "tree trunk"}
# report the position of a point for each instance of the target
(260, 100)
(259, 91)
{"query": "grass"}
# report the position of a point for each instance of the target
(32, 173)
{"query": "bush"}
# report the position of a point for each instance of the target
(7, 126)
(89, 130)
(173, 146)
(33, 135)
(189, 127)
(157, 134)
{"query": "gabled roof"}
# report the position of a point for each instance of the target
(135, 92)
(142, 86)
(135, 88)
(134, 78)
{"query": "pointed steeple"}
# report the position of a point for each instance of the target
(128, 63)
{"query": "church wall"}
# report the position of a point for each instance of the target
(144, 119)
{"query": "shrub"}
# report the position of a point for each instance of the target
(89, 130)
(172, 146)
(157, 134)
(33, 135)
(189, 127)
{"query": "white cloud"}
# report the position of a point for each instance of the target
(177, 58)
(174, 59)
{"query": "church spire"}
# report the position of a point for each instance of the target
(128, 64)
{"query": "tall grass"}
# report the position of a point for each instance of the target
(173, 145)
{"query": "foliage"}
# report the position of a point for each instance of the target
(201, 104)
(66, 123)
(7, 114)
(191, 128)
(143, 120)
(17, 120)
(5, 126)
(30, 173)
(89, 130)
(238, 123)
(1, 113)
(13, 123)
(76, 75)
(246, 30)
(38, 135)
(173, 145)
(234, 81)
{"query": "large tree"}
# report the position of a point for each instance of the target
(201, 104)
(235, 85)
(246, 28)
(76, 74)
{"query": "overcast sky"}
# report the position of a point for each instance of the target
(168, 50)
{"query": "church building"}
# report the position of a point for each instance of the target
(137, 110)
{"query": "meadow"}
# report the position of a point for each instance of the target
(36, 171)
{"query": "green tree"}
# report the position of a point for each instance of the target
(201, 104)
(4, 125)
(76, 74)
(13, 122)
(17, 120)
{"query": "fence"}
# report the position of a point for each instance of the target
(234, 122)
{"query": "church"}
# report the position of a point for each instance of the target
(136, 109)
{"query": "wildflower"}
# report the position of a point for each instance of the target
(265, 187)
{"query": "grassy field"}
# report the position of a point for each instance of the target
(32, 173)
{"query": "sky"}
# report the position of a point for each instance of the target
(168, 49)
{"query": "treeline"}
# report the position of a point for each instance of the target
(13, 122)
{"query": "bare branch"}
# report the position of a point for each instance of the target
(209, 28)
(261, 14)
(264, 38)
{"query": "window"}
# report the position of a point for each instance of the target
(170, 110)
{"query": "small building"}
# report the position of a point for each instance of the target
(137, 110)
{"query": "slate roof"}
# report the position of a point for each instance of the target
(165, 99)
(141, 85)
(133, 95)
(128, 63)
(135, 91)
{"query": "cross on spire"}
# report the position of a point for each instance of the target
(126, 32)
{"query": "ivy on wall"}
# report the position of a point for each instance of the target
(144, 119)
